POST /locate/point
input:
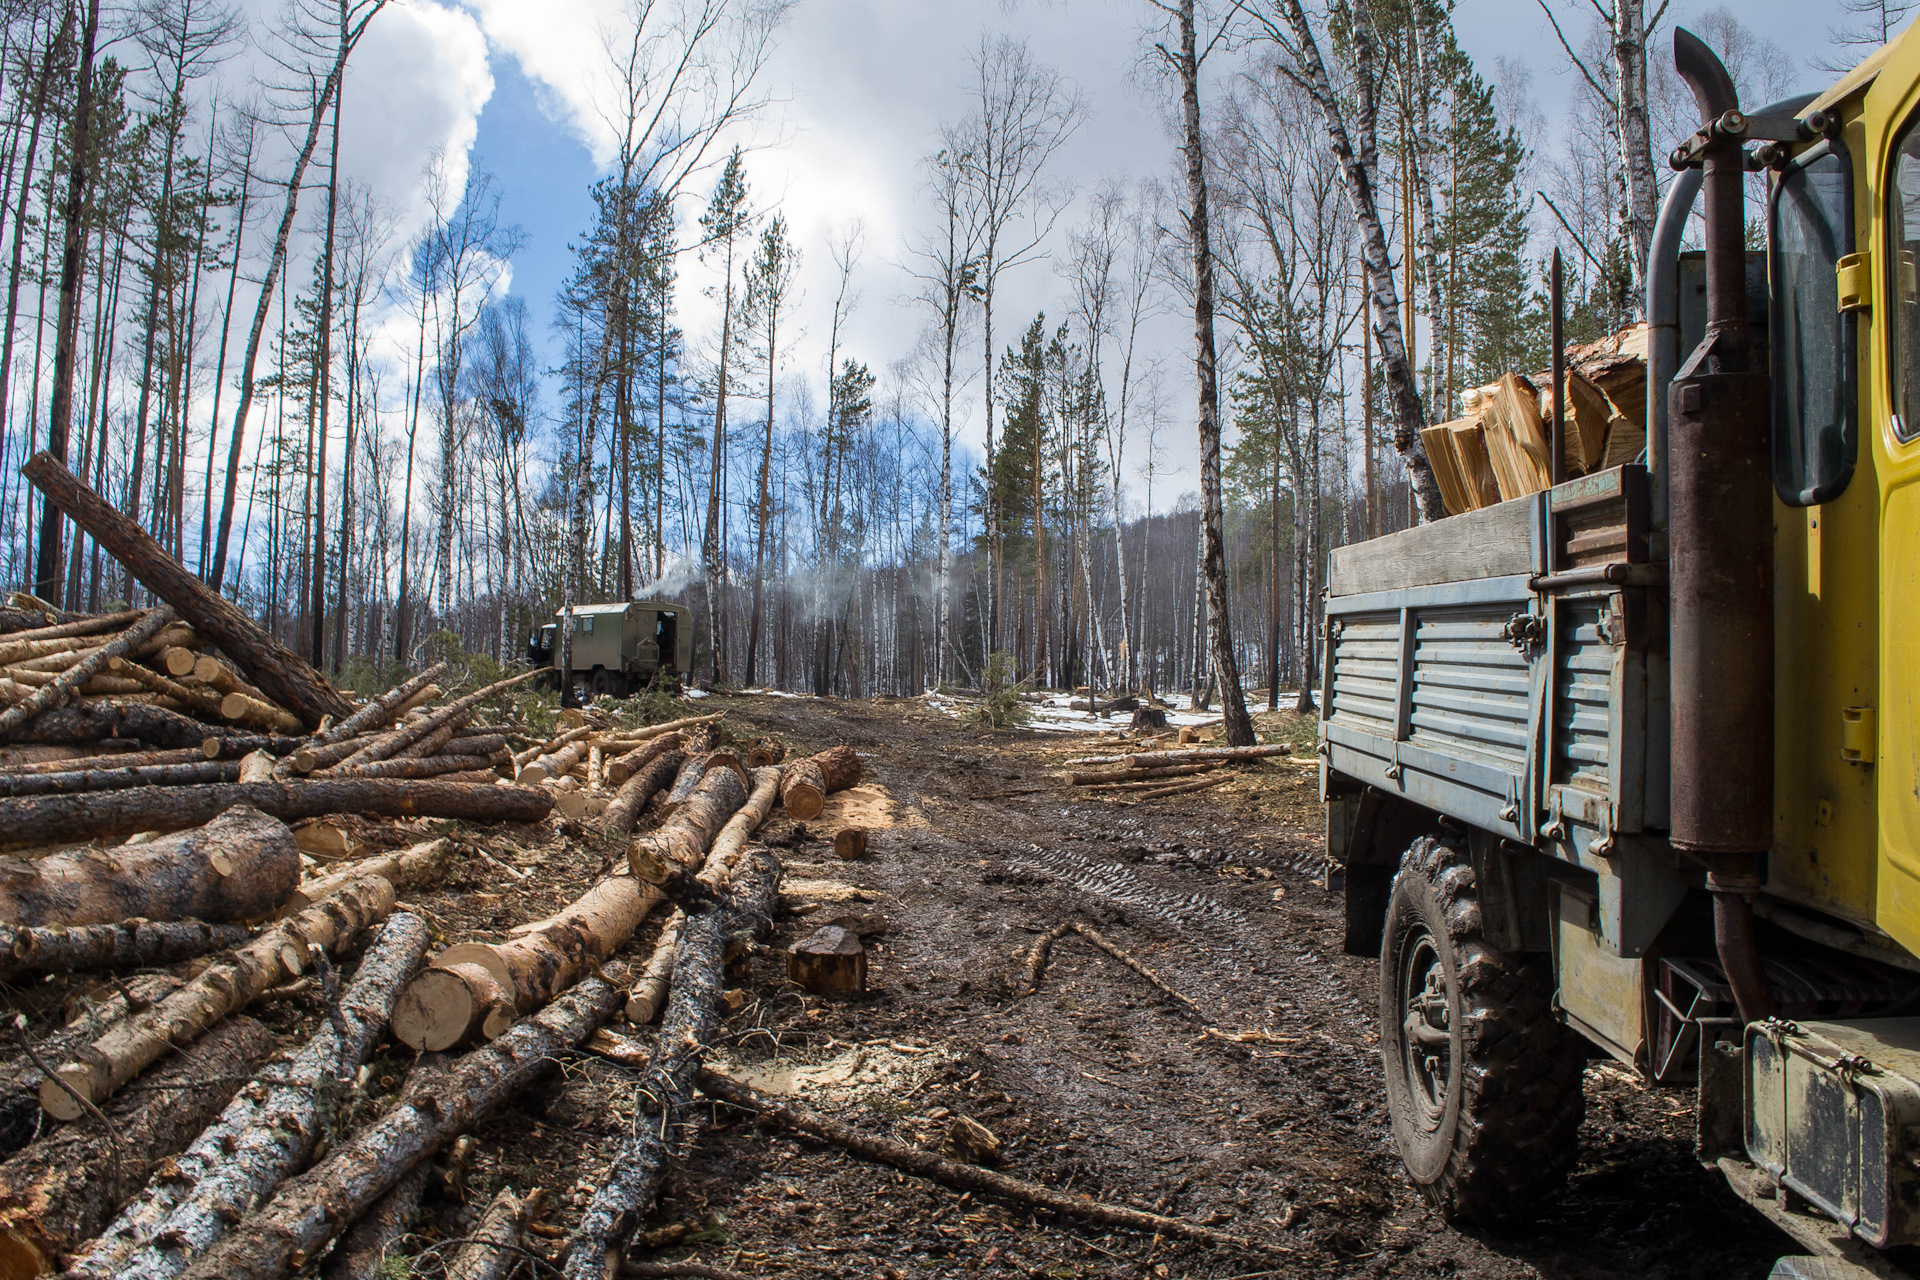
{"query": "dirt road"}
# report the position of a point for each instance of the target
(1096, 1082)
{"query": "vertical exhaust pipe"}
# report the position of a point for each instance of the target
(1721, 557)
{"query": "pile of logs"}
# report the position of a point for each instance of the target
(1144, 775)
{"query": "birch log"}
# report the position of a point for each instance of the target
(265, 1135)
(239, 866)
(363, 1252)
(278, 955)
(60, 1191)
(804, 790)
(627, 1189)
(121, 813)
(310, 1209)
(127, 944)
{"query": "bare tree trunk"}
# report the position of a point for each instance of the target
(1635, 132)
(317, 596)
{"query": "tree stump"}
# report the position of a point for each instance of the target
(1148, 718)
(830, 963)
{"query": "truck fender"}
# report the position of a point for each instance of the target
(1383, 827)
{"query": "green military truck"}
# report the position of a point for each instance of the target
(616, 649)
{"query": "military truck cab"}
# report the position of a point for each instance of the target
(616, 649)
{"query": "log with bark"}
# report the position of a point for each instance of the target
(693, 1020)
(363, 1252)
(197, 700)
(766, 751)
(559, 740)
(732, 838)
(849, 843)
(96, 721)
(680, 843)
(447, 1005)
(266, 1134)
(1176, 789)
(1106, 777)
(239, 866)
(121, 813)
(554, 765)
(395, 740)
(115, 751)
(60, 1191)
(967, 1177)
(118, 777)
(405, 869)
(368, 718)
(69, 681)
(279, 955)
(1188, 755)
(91, 625)
(493, 1251)
(412, 767)
(286, 678)
(804, 790)
(623, 766)
(257, 713)
(426, 746)
(127, 944)
(693, 767)
(310, 1209)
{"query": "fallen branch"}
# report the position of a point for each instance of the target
(967, 1177)
(1043, 947)
(264, 1135)
(311, 1209)
(1184, 755)
(1112, 777)
(1179, 788)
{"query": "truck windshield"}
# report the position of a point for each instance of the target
(1813, 355)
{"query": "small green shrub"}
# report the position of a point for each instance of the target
(1002, 708)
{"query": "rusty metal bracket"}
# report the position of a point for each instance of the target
(1526, 632)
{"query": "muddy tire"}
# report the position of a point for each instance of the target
(1483, 1082)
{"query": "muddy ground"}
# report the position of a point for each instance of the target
(1095, 1083)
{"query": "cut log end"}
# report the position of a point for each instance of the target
(447, 1005)
(803, 802)
(849, 843)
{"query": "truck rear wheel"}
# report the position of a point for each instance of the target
(1483, 1083)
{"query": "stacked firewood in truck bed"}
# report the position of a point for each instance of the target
(186, 803)
(1499, 450)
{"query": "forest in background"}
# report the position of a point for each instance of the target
(354, 434)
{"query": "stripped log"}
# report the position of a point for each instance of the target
(804, 790)
(617, 822)
(121, 813)
(627, 1189)
(310, 1209)
(493, 1251)
(680, 843)
(966, 1177)
(526, 971)
(625, 765)
(286, 678)
(1107, 777)
(412, 767)
(266, 1134)
(404, 869)
(239, 866)
(60, 1191)
(94, 721)
(128, 944)
(118, 778)
(1184, 755)
(393, 741)
(278, 955)
(69, 681)
(649, 994)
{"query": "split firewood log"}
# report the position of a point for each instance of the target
(265, 1135)
(493, 1251)
(404, 735)
(118, 777)
(804, 790)
(60, 1191)
(448, 1006)
(627, 1189)
(69, 681)
(310, 1209)
(680, 843)
(278, 955)
(127, 944)
(29, 819)
(617, 822)
(405, 869)
(239, 866)
(287, 679)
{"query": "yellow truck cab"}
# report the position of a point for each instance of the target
(1633, 762)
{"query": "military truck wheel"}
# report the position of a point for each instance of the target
(1483, 1083)
(601, 682)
